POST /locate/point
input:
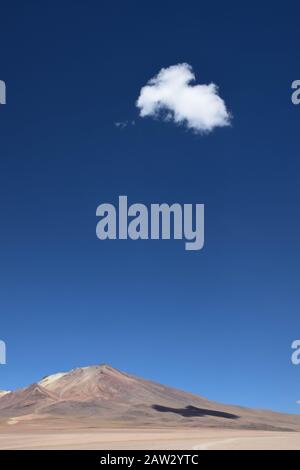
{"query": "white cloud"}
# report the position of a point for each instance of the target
(171, 96)
(123, 124)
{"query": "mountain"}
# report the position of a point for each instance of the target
(98, 396)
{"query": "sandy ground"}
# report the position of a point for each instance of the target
(110, 439)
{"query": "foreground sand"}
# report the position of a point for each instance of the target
(110, 439)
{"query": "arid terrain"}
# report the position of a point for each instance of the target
(148, 438)
(99, 407)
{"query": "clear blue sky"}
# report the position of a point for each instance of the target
(218, 322)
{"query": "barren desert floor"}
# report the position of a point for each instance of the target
(171, 439)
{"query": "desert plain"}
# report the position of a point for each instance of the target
(140, 439)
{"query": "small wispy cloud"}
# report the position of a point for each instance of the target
(123, 124)
(171, 96)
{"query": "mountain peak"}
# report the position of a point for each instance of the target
(102, 366)
(52, 378)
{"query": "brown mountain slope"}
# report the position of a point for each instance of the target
(98, 396)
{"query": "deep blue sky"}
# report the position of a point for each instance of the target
(218, 322)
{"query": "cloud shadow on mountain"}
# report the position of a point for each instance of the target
(193, 411)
